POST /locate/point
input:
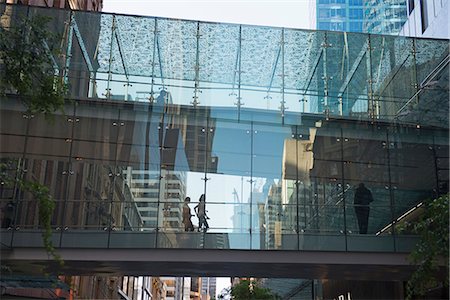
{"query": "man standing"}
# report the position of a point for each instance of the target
(363, 197)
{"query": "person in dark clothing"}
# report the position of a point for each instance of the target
(8, 215)
(363, 197)
(188, 226)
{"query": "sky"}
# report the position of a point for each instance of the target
(279, 13)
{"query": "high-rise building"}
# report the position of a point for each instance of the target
(371, 16)
(384, 17)
(208, 287)
(340, 15)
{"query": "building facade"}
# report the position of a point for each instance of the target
(340, 15)
(427, 19)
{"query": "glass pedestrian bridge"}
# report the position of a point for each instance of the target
(277, 127)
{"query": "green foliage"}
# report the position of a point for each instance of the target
(27, 61)
(45, 202)
(432, 248)
(247, 290)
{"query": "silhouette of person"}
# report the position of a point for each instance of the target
(8, 215)
(200, 210)
(188, 226)
(363, 197)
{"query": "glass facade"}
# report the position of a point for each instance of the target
(340, 15)
(369, 16)
(167, 109)
(384, 17)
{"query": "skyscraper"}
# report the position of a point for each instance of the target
(384, 17)
(340, 15)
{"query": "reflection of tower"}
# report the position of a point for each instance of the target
(197, 132)
(384, 17)
(208, 287)
(148, 188)
(273, 217)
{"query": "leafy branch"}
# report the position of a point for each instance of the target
(45, 202)
(28, 68)
(432, 248)
(28, 59)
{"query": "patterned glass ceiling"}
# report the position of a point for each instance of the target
(341, 73)
(263, 56)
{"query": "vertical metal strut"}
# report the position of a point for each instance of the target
(195, 101)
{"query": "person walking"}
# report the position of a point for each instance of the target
(362, 200)
(200, 210)
(188, 226)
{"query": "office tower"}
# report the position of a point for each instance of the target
(340, 15)
(384, 17)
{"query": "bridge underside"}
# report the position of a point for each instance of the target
(210, 263)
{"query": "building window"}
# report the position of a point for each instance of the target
(356, 2)
(324, 13)
(410, 6)
(356, 26)
(355, 14)
(423, 15)
(324, 26)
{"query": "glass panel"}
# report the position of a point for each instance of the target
(139, 158)
(366, 174)
(228, 185)
(58, 26)
(177, 45)
(320, 194)
(274, 155)
(441, 152)
(413, 172)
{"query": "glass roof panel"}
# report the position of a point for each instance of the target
(260, 47)
(104, 50)
(136, 38)
(218, 52)
(300, 51)
(177, 48)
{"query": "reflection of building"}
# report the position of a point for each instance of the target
(181, 288)
(384, 17)
(158, 196)
(273, 217)
(340, 15)
(208, 287)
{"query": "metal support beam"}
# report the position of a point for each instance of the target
(273, 70)
(282, 102)
(68, 50)
(353, 69)
(239, 65)
(160, 62)
(313, 71)
(122, 56)
(325, 77)
(195, 101)
(108, 86)
(426, 82)
(155, 33)
(370, 101)
(84, 51)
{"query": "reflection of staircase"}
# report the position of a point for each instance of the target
(330, 212)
